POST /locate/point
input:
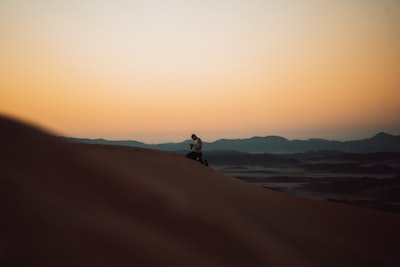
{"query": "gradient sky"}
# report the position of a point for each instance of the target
(157, 71)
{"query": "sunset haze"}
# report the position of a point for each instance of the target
(158, 71)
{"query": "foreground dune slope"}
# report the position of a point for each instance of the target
(68, 204)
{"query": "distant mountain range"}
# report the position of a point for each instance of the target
(381, 142)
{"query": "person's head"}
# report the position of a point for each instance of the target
(194, 137)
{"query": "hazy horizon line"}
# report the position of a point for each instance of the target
(231, 139)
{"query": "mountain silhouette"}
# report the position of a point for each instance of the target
(381, 142)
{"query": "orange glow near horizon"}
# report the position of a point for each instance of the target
(156, 72)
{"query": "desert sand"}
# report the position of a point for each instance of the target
(65, 204)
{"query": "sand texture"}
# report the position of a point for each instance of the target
(65, 204)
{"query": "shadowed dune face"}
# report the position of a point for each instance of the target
(89, 205)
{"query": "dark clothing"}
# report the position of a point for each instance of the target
(197, 156)
(194, 155)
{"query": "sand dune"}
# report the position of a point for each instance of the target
(89, 205)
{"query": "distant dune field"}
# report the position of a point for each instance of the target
(66, 204)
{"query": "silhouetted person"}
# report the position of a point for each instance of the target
(196, 150)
